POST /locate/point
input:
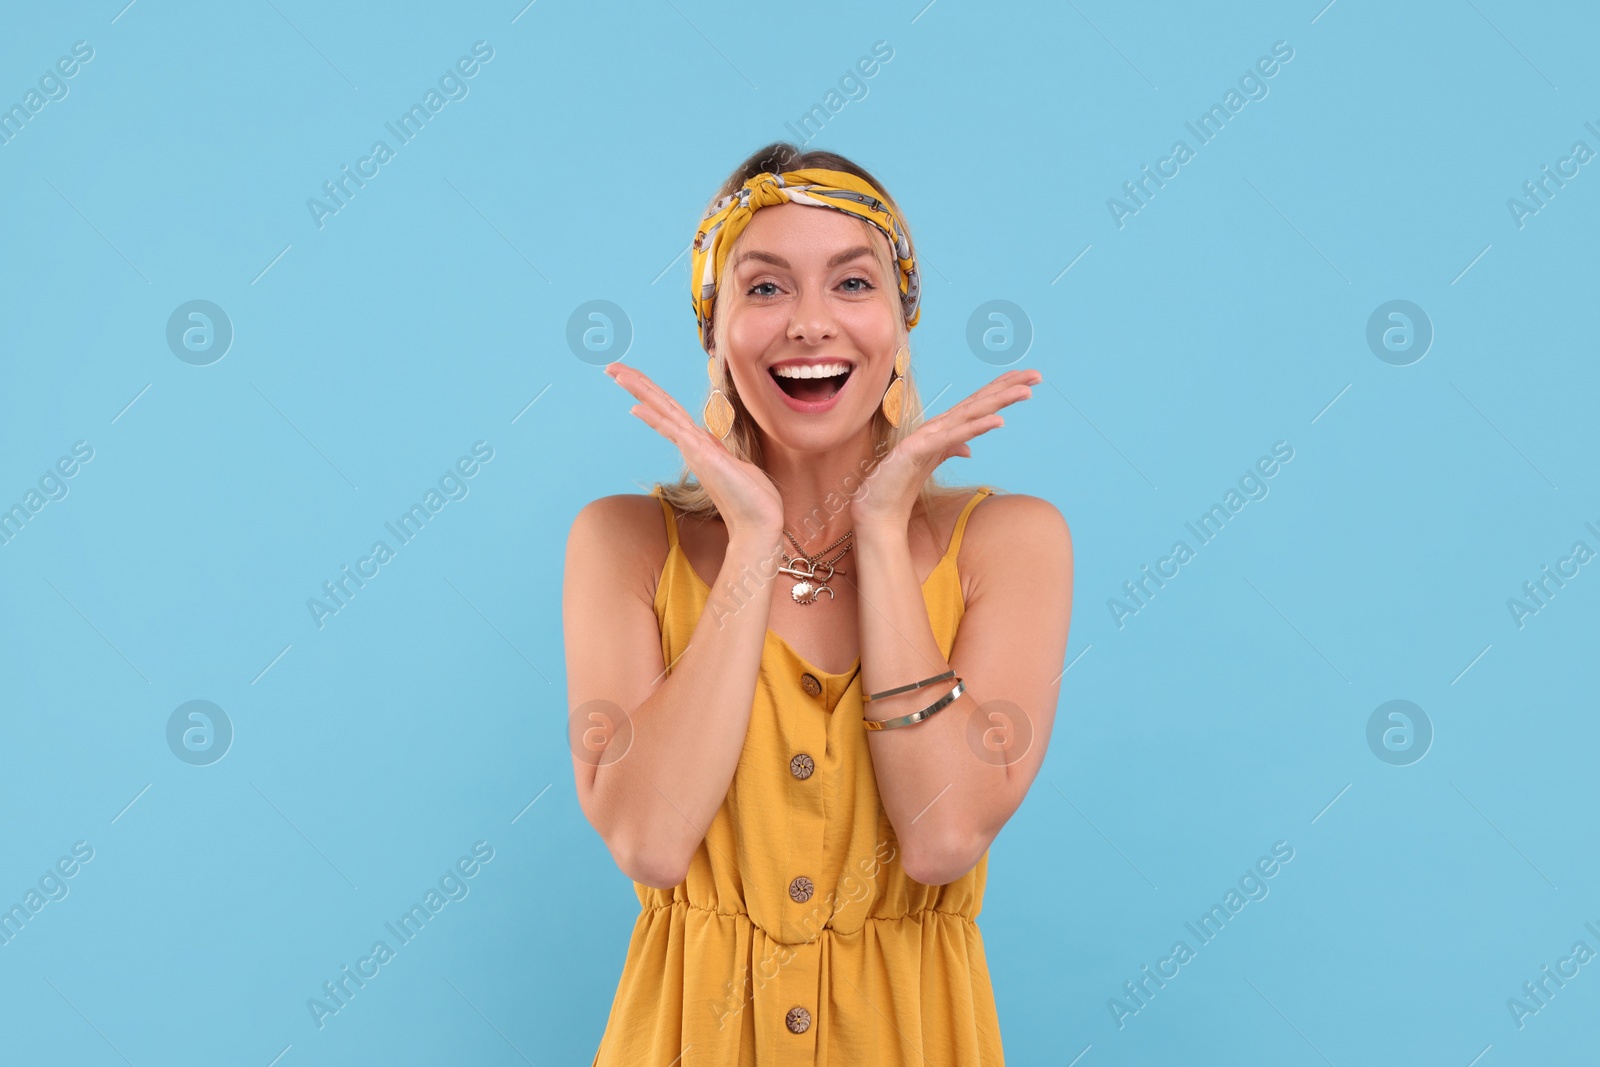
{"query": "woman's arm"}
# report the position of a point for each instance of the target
(683, 732)
(949, 783)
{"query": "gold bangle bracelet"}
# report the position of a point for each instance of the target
(946, 676)
(916, 716)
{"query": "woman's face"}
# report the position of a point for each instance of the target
(809, 291)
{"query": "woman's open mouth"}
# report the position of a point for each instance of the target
(813, 386)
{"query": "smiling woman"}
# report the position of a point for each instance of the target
(869, 273)
(804, 788)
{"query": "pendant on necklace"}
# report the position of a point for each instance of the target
(805, 567)
(806, 590)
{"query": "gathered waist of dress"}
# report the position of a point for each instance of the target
(910, 916)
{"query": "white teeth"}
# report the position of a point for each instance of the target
(811, 370)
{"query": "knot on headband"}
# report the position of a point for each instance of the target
(834, 189)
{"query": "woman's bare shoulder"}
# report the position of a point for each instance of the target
(1004, 523)
(629, 527)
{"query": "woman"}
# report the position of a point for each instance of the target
(794, 757)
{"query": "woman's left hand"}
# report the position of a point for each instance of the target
(888, 494)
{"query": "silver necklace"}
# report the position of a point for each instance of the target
(804, 567)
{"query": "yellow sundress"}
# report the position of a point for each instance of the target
(797, 937)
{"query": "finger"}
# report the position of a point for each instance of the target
(702, 451)
(932, 440)
(1007, 389)
(956, 435)
(655, 405)
(662, 412)
(637, 382)
(694, 441)
(1026, 375)
(980, 405)
(958, 450)
(658, 422)
(966, 431)
(652, 396)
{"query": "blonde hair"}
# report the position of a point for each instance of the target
(685, 493)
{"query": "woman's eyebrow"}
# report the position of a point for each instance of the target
(779, 261)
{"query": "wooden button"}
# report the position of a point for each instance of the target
(798, 1020)
(810, 684)
(802, 766)
(800, 889)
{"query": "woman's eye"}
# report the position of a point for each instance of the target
(864, 286)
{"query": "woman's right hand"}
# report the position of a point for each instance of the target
(745, 497)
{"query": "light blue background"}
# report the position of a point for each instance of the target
(1228, 314)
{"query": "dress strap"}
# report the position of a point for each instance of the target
(961, 520)
(672, 520)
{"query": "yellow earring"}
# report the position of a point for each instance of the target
(718, 413)
(894, 398)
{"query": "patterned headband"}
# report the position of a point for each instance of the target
(818, 188)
